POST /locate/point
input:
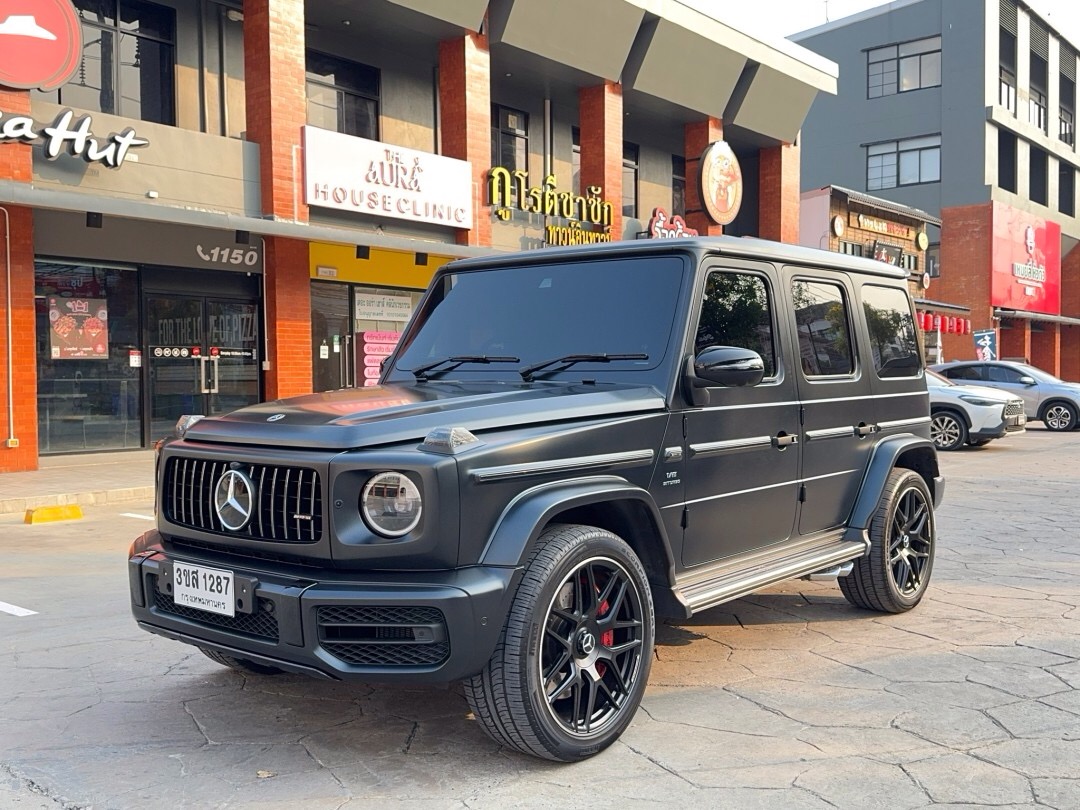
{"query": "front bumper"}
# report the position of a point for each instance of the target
(422, 627)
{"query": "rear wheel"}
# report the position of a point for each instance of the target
(892, 577)
(570, 667)
(1059, 416)
(242, 664)
(948, 430)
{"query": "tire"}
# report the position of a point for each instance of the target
(947, 430)
(979, 442)
(892, 577)
(242, 664)
(1059, 416)
(571, 664)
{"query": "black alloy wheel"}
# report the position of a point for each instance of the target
(947, 430)
(910, 542)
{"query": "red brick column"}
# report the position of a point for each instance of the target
(697, 135)
(465, 107)
(1015, 339)
(600, 118)
(778, 193)
(17, 234)
(288, 314)
(966, 238)
(1046, 348)
(1070, 307)
(276, 97)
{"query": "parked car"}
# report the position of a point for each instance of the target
(971, 414)
(663, 428)
(1051, 400)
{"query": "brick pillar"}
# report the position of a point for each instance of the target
(697, 135)
(600, 118)
(1070, 307)
(288, 315)
(1046, 348)
(966, 238)
(276, 97)
(17, 235)
(778, 193)
(465, 107)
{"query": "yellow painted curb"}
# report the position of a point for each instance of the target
(48, 514)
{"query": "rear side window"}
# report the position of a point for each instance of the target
(893, 340)
(963, 373)
(821, 315)
(738, 311)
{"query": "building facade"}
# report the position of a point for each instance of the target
(965, 109)
(206, 204)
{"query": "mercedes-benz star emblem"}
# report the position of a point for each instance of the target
(276, 417)
(234, 499)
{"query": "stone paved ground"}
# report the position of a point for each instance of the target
(790, 699)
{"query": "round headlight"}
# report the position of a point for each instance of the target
(391, 504)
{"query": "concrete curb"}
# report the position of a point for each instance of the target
(19, 505)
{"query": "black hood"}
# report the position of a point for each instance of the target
(387, 414)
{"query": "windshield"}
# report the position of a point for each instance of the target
(1037, 373)
(623, 306)
(933, 378)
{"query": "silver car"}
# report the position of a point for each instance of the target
(1053, 401)
(971, 414)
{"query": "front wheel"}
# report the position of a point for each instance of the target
(892, 577)
(947, 430)
(570, 667)
(1059, 417)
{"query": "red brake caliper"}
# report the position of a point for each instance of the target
(607, 638)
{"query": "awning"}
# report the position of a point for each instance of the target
(1019, 314)
(888, 205)
(939, 306)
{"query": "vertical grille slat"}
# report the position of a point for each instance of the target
(189, 485)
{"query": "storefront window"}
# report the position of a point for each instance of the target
(88, 358)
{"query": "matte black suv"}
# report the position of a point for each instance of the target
(565, 443)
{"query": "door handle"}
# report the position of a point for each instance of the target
(201, 368)
(863, 430)
(783, 440)
(217, 381)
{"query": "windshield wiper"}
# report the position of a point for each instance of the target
(450, 363)
(568, 360)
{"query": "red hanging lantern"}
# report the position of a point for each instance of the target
(926, 321)
(950, 326)
(936, 323)
(967, 326)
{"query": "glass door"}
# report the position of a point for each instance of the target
(202, 357)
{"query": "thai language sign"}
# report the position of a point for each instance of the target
(78, 328)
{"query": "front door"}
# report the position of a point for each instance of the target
(202, 355)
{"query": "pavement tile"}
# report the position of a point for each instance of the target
(956, 779)
(863, 783)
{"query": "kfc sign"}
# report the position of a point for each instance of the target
(1026, 262)
(40, 43)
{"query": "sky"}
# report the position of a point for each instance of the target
(785, 17)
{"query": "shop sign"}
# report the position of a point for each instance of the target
(78, 328)
(228, 255)
(508, 190)
(890, 254)
(1025, 261)
(373, 347)
(370, 177)
(883, 226)
(40, 49)
(383, 307)
(985, 344)
(74, 138)
(721, 183)
(664, 226)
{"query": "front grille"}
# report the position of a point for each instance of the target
(286, 504)
(1014, 408)
(260, 624)
(384, 636)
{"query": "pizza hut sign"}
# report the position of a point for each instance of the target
(66, 134)
(40, 43)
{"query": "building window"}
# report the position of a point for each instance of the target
(903, 163)
(851, 248)
(127, 64)
(909, 262)
(1037, 92)
(1037, 176)
(342, 96)
(678, 185)
(510, 142)
(1066, 113)
(630, 153)
(1006, 178)
(1007, 70)
(933, 261)
(902, 68)
(575, 160)
(1066, 189)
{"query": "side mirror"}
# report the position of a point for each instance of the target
(729, 366)
(1026, 380)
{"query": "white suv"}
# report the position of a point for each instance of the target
(970, 414)
(1047, 398)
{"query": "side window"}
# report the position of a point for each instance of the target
(963, 373)
(824, 335)
(1002, 374)
(892, 332)
(738, 311)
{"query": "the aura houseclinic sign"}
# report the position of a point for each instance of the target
(1026, 261)
(70, 135)
(369, 177)
(40, 43)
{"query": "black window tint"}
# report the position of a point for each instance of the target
(1002, 374)
(892, 332)
(963, 373)
(737, 311)
(824, 335)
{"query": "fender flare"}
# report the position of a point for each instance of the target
(524, 518)
(882, 462)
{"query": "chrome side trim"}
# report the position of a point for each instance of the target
(681, 504)
(830, 433)
(485, 475)
(895, 423)
(731, 445)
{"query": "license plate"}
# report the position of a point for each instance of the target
(209, 589)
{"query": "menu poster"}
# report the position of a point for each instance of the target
(78, 328)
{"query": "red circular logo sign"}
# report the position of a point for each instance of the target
(40, 43)
(721, 183)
